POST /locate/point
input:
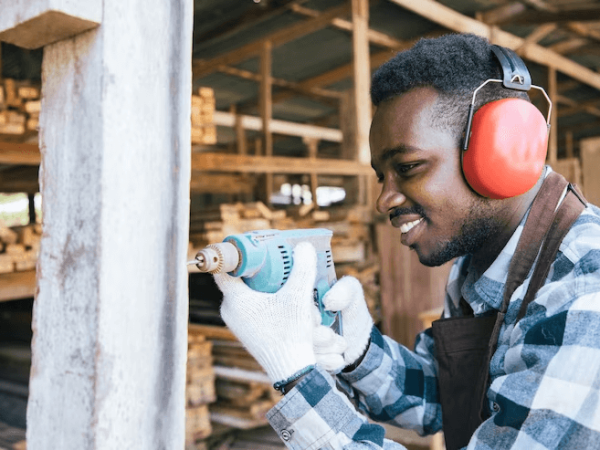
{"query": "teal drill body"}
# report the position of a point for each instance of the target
(266, 260)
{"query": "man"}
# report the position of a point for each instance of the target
(517, 362)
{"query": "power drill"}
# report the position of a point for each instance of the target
(264, 260)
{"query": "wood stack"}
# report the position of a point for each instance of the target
(204, 130)
(244, 392)
(20, 106)
(19, 247)
(200, 388)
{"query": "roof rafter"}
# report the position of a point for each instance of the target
(279, 37)
(456, 21)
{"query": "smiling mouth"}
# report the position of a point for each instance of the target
(406, 227)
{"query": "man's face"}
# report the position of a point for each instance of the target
(423, 188)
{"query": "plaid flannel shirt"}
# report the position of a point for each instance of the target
(545, 373)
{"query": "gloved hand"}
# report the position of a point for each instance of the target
(334, 352)
(277, 329)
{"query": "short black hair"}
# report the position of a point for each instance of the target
(454, 65)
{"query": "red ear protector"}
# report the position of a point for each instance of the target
(506, 140)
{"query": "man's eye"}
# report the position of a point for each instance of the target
(404, 168)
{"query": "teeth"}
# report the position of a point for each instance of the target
(406, 227)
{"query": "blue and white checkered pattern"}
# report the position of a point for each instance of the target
(545, 373)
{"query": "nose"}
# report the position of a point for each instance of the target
(390, 196)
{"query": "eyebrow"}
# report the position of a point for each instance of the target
(391, 152)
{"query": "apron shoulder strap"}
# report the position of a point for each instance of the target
(534, 232)
(568, 212)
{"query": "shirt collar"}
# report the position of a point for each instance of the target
(486, 292)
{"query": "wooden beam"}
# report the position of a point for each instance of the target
(453, 20)
(313, 146)
(581, 127)
(19, 154)
(563, 100)
(537, 35)
(226, 162)
(279, 37)
(553, 140)
(254, 123)
(502, 13)
(17, 285)
(317, 92)
(255, 14)
(240, 136)
(20, 179)
(569, 144)
(568, 45)
(375, 37)
(266, 111)
(216, 183)
(560, 17)
(343, 72)
(362, 78)
(589, 107)
(583, 30)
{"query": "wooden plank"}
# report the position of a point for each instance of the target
(19, 154)
(317, 92)
(20, 179)
(254, 123)
(279, 37)
(223, 162)
(212, 183)
(569, 45)
(312, 146)
(559, 17)
(453, 20)
(345, 71)
(375, 37)
(266, 111)
(362, 78)
(502, 13)
(241, 375)
(569, 144)
(590, 161)
(211, 331)
(539, 33)
(17, 285)
(240, 137)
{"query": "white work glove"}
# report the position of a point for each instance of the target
(277, 328)
(332, 351)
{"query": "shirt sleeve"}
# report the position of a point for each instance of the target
(316, 415)
(397, 386)
(549, 394)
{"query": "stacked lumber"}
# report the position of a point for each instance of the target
(19, 247)
(200, 388)
(20, 106)
(244, 393)
(351, 231)
(204, 130)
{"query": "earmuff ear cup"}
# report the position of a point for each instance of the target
(507, 148)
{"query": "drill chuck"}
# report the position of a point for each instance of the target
(217, 258)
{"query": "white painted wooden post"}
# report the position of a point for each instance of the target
(110, 314)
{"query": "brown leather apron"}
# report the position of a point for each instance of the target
(465, 345)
